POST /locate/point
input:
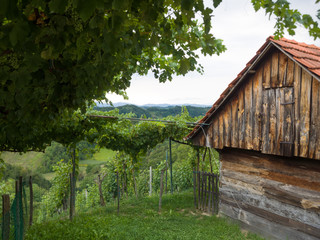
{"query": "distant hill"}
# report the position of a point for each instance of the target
(157, 111)
(161, 105)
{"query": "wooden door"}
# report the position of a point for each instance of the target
(278, 121)
(287, 121)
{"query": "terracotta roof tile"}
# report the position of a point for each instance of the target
(298, 54)
(317, 71)
(312, 64)
(305, 54)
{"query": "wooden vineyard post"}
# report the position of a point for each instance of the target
(17, 210)
(202, 192)
(71, 198)
(161, 190)
(166, 171)
(150, 182)
(213, 194)
(99, 181)
(5, 217)
(118, 191)
(195, 188)
(210, 161)
(217, 194)
(209, 192)
(205, 192)
(73, 185)
(31, 202)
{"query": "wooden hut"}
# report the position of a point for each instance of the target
(266, 127)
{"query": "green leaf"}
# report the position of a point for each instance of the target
(120, 4)
(58, 6)
(47, 54)
(86, 8)
(184, 66)
(216, 3)
(19, 32)
(117, 21)
(187, 4)
(9, 8)
(207, 19)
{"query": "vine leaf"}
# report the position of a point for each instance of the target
(9, 8)
(216, 3)
(184, 66)
(19, 32)
(187, 5)
(86, 8)
(58, 6)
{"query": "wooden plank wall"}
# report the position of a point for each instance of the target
(272, 195)
(276, 111)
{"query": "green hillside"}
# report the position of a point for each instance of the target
(30, 160)
(104, 155)
(157, 112)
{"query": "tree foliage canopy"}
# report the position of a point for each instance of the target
(56, 56)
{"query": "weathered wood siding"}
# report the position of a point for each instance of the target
(275, 110)
(273, 195)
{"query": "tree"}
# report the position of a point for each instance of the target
(56, 56)
(56, 152)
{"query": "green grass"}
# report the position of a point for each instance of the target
(29, 160)
(32, 160)
(140, 219)
(49, 176)
(90, 162)
(104, 155)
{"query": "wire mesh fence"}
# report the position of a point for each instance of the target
(13, 213)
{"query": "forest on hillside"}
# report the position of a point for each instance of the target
(156, 112)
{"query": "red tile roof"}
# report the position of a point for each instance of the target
(306, 55)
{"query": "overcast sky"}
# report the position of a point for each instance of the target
(243, 31)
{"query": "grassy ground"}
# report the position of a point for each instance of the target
(49, 176)
(104, 155)
(140, 219)
(29, 160)
(32, 160)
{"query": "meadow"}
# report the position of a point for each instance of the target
(139, 218)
